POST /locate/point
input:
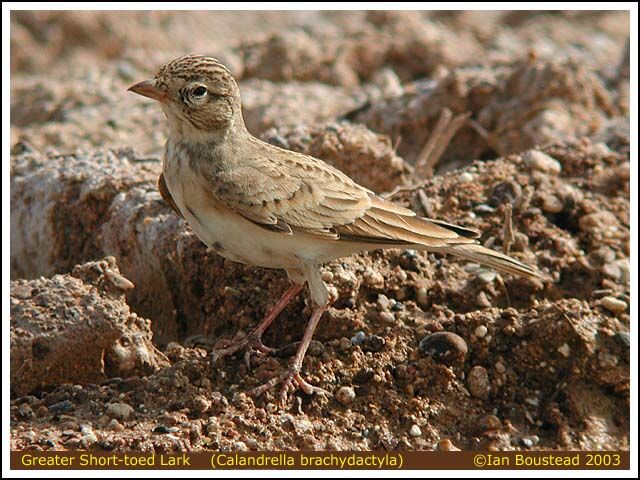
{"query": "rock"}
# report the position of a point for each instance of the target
(564, 350)
(599, 223)
(387, 317)
(542, 162)
(465, 177)
(613, 304)
(486, 276)
(373, 343)
(623, 338)
(445, 346)
(327, 276)
(552, 204)
(119, 411)
(415, 431)
(61, 407)
(359, 338)
(446, 445)
(373, 278)
(345, 395)
(478, 382)
(201, 404)
(480, 331)
(115, 425)
(421, 296)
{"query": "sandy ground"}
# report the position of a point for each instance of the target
(115, 304)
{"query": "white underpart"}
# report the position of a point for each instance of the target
(238, 239)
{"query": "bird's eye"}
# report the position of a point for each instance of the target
(199, 91)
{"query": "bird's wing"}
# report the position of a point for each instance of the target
(164, 192)
(290, 192)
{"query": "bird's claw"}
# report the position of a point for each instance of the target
(252, 343)
(290, 379)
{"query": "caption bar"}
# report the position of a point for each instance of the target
(30, 460)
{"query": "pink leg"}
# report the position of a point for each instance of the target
(292, 374)
(253, 340)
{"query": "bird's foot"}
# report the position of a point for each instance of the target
(252, 343)
(290, 380)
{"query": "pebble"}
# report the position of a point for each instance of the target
(398, 306)
(115, 425)
(489, 422)
(623, 338)
(165, 429)
(533, 401)
(240, 446)
(600, 149)
(415, 431)
(603, 223)
(327, 276)
(446, 445)
(345, 344)
(483, 301)
(500, 368)
(484, 208)
(612, 270)
(542, 162)
(552, 204)
(333, 293)
(613, 304)
(480, 331)
(564, 350)
(25, 411)
(118, 280)
(42, 411)
(486, 276)
(526, 442)
(346, 395)
(61, 407)
(373, 279)
(201, 404)
(383, 302)
(120, 411)
(421, 296)
(359, 338)
(387, 317)
(465, 177)
(373, 343)
(445, 346)
(625, 271)
(478, 382)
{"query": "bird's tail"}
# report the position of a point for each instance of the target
(490, 258)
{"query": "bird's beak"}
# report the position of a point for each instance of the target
(149, 89)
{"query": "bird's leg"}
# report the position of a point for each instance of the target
(292, 375)
(253, 340)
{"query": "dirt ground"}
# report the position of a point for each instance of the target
(115, 304)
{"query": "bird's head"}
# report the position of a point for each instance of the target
(198, 95)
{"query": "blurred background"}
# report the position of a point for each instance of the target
(70, 69)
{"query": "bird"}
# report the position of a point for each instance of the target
(265, 206)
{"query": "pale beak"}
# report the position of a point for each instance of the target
(149, 89)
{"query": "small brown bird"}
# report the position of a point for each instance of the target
(261, 205)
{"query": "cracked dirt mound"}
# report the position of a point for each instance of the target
(419, 351)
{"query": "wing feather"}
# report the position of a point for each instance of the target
(290, 192)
